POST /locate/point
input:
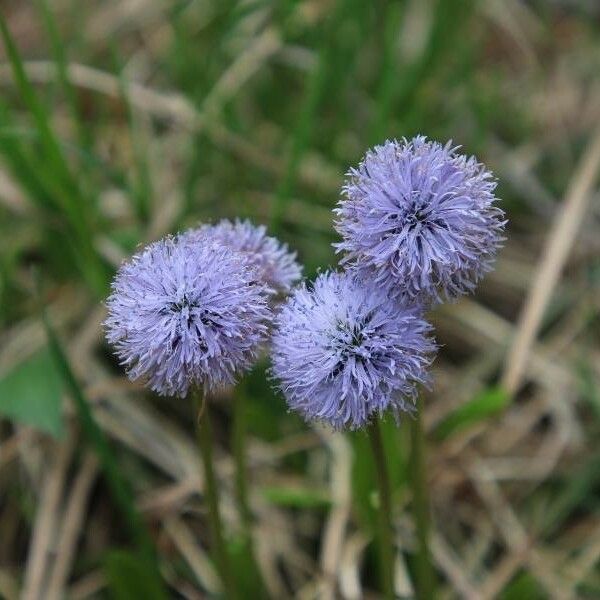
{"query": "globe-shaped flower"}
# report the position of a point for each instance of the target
(343, 352)
(420, 219)
(275, 264)
(183, 315)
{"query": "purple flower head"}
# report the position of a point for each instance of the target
(183, 314)
(343, 352)
(419, 218)
(275, 264)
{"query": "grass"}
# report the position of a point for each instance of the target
(91, 167)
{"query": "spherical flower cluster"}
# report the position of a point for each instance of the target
(419, 218)
(344, 352)
(186, 314)
(418, 225)
(275, 264)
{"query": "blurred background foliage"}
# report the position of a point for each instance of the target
(122, 121)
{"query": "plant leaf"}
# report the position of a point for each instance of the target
(31, 394)
(486, 404)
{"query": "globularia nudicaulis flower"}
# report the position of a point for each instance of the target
(343, 352)
(275, 264)
(419, 218)
(186, 314)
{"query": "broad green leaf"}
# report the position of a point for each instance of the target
(486, 404)
(31, 394)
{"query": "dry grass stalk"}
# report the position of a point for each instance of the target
(560, 241)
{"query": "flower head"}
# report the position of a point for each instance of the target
(275, 264)
(419, 218)
(183, 314)
(343, 352)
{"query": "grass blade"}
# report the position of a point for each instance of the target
(128, 578)
(488, 403)
(60, 183)
(60, 60)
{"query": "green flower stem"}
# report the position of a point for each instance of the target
(425, 577)
(238, 442)
(239, 454)
(384, 513)
(205, 442)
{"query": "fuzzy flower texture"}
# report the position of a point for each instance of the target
(275, 264)
(419, 218)
(187, 314)
(343, 352)
(418, 225)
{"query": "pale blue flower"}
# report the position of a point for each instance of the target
(419, 218)
(186, 314)
(275, 264)
(343, 352)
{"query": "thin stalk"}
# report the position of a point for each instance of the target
(384, 513)
(239, 454)
(238, 442)
(221, 557)
(425, 578)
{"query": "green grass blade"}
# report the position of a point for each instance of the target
(141, 188)
(488, 403)
(307, 118)
(128, 578)
(61, 184)
(296, 497)
(577, 489)
(21, 165)
(388, 80)
(449, 21)
(41, 119)
(60, 60)
(523, 585)
(300, 140)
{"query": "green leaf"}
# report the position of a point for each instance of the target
(130, 578)
(296, 497)
(486, 404)
(31, 394)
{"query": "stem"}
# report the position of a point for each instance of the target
(384, 513)
(425, 578)
(205, 442)
(238, 442)
(239, 454)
